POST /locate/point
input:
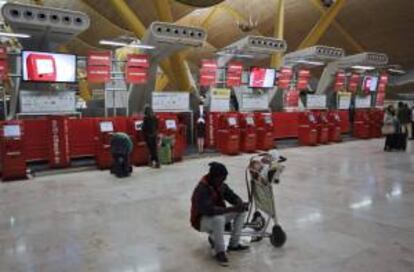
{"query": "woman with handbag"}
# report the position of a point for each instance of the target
(388, 129)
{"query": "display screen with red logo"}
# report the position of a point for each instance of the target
(262, 77)
(48, 67)
(370, 83)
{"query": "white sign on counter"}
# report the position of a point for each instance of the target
(220, 100)
(252, 100)
(316, 101)
(47, 101)
(171, 101)
(344, 101)
(363, 102)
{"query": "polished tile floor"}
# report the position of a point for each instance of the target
(345, 207)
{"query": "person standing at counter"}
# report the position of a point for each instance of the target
(201, 134)
(150, 131)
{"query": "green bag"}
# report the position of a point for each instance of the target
(165, 151)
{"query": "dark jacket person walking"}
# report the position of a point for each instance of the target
(150, 131)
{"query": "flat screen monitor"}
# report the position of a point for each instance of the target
(170, 124)
(250, 121)
(232, 121)
(48, 67)
(370, 83)
(312, 118)
(11, 131)
(262, 77)
(268, 120)
(106, 126)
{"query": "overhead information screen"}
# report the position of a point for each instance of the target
(48, 67)
(262, 77)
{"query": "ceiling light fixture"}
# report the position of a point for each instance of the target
(362, 67)
(14, 35)
(315, 63)
(234, 55)
(124, 44)
(397, 71)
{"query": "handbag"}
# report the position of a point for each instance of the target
(388, 129)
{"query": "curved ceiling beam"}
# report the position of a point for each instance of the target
(348, 37)
(109, 21)
(279, 30)
(176, 60)
(322, 25)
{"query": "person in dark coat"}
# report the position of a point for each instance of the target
(389, 123)
(150, 131)
(403, 117)
(210, 214)
(412, 122)
(121, 148)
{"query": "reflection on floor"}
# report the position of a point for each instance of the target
(345, 207)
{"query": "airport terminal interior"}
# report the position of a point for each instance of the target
(209, 135)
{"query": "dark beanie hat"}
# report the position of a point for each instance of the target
(217, 170)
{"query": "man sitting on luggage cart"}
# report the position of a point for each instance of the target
(121, 147)
(209, 212)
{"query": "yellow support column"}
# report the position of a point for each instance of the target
(279, 27)
(209, 17)
(357, 46)
(136, 26)
(176, 60)
(322, 25)
(161, 83)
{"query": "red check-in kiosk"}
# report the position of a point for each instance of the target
(322, 127)
(212, 127)
(170, 126)
(334, 125)
(362, 125)
(228, 134)
(13, 159)
(140, 153)
(264, 128)
(59, 142)
(376, 117)
(248, 132)
(345, 123)
(105, 129)
(307, 131)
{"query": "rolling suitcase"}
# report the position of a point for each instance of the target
(400, 141)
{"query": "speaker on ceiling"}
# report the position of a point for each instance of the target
(328, 3)
(200, 3)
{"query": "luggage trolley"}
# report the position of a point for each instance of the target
(262, 172)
